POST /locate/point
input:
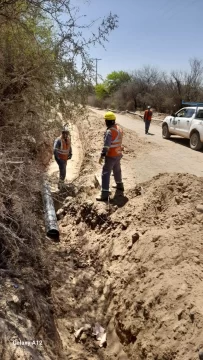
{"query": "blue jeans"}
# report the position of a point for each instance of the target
(62, 168)
(111, 164)
(147, 125)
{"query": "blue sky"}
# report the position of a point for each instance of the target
(161, 33)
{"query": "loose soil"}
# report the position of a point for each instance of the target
(134, 265)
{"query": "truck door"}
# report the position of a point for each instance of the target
(185, 123)
(178, 120)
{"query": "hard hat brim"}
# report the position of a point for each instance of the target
(110, 116)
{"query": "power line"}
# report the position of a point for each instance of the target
(173, 6)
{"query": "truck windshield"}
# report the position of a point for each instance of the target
(189, 113)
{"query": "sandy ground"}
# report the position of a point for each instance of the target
(169, 156)
(134, 265)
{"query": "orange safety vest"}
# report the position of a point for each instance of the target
(63, 152)
(116, 142)
(148, 115)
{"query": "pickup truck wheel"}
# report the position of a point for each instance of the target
(195, 142)
(165, 132)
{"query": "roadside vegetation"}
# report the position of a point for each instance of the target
(41, 42)
(150, 86)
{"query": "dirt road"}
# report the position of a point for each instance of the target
(168, 156)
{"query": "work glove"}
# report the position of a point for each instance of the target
(101, 160)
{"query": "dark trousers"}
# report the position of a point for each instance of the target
(62, 168)
(147, 125)
(111, 164)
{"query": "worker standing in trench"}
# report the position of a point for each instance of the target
(111, 155)
(62, 153)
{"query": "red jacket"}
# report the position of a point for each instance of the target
(148, 115)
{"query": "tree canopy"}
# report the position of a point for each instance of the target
(115, 79)
(150, 86)
(42, 43)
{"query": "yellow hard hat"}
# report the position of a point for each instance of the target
(110, 116)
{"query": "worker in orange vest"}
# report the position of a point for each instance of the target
(147, 119)
(111, 155)
(62, 153)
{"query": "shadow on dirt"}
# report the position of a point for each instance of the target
(182, 141)
(119, 199)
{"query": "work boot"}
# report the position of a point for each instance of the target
(119, 186)
(61, 185)
(103, 197)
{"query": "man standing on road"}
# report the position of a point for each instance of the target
(147, 119)
(111, 155)
(62, 153)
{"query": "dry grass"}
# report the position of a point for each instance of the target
(23, 259)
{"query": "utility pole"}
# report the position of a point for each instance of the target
(96, 68)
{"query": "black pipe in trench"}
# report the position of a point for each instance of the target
(52, 228)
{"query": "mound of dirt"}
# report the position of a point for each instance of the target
(132, 265)
(136, 269)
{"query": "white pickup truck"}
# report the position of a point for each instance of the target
(188, 123)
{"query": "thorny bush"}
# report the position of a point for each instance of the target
(39, 85)
(38, 81)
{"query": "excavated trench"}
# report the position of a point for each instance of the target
(129, 269)
(133, 266)
(65, 203)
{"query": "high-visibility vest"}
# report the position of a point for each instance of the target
(148, 115)
(63, 152)
(116, 143)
